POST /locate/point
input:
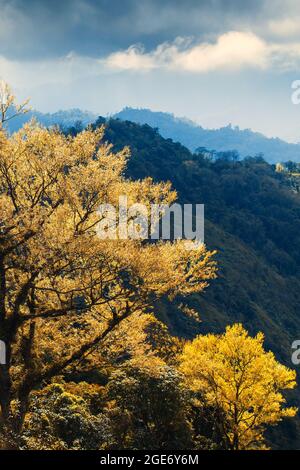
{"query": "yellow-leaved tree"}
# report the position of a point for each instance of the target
(233, 372)
(9, 109)
(64, 290)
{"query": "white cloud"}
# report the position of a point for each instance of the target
(134, 58)
(232, 50)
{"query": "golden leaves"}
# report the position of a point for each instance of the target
(58, 272)
(235, 373)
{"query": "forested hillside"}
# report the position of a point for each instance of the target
(244, 141)
(149, 230)
(94, 331)
(252, 219)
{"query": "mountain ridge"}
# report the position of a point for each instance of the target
(63, 118)
(180, 129)
(228, 138)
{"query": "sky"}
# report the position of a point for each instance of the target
(213, 61)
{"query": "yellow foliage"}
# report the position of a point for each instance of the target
(64, 290)
(232, 371)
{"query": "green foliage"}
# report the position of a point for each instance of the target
(60, 419)
(140, 408)
(151, 409)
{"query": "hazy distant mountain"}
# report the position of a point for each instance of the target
(193, 136)
(63, 118)
(182, 130)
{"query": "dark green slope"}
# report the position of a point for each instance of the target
(253, 220)
(190, 134)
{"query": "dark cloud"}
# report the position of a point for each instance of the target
(43, 28)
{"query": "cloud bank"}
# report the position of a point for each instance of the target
(232, 50)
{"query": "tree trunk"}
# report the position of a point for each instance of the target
(5, 406)
(23, 396)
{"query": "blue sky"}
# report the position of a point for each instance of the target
(214, 61)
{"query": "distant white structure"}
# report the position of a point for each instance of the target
(280, 168)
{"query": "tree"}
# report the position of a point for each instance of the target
(228, 156)
(9, 109)
(233, 372)
(149, 408)
(63, 290)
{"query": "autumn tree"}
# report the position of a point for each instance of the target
(9, 109)
(233, 373)
(63, 290)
